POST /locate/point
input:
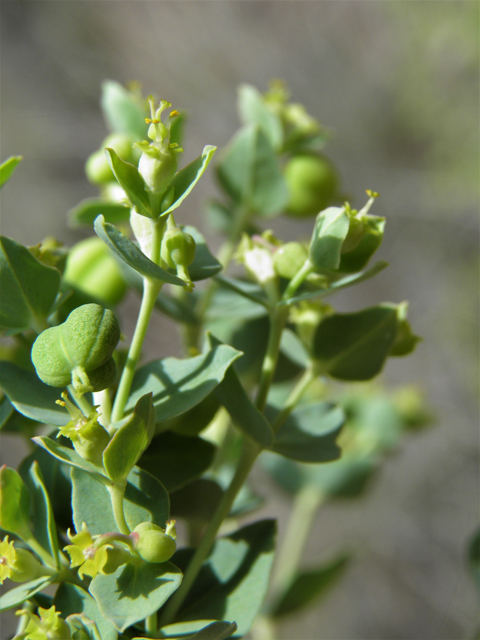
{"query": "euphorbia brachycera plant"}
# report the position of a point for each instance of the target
(134, 446)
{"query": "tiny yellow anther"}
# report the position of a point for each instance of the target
(372, 194)
(174, 113)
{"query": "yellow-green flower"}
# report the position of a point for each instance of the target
(85, 555)
(18, 564)
(47, 626)
(7, 559)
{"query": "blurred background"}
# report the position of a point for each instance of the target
(398, 85)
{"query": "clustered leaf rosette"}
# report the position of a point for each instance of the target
(17, 564)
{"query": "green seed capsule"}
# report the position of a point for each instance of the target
(178, 248)
(289, 259)
(152, 543)
(79, 351)
(92, 269)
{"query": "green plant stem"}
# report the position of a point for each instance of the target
(151, 289)
(277, 323)
(117, 493)
(297, 280)
(103, 399)
(295, 396)
(225, 255)
(24, 619)
(247, 459)
(249, 454)
(40, 551)
(81, 402)
(305, 507)
(151, 624)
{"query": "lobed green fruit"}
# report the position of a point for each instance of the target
(178, 248)
(92, 269)
(289, 259)
(80, 347)
(312, 183)
(152, 543)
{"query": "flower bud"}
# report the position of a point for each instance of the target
(289, 259)
(152, 543)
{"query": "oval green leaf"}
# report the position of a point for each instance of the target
(331, 228)
(146, 500)
(233, 581)
(176, 460)
(354, 346)
(70, 599)
(250, 173)
(87, 210)
(122, 111)
(28, 287)
(187, 178)
(133, 593)
(310, 432)
(178, 385)
(30, 396)
(7, 168)
(14, 503)
(130, 440)
(70, 457)
(131, 182)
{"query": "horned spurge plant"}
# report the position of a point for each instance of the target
(126, 446)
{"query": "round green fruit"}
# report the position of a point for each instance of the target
(178, 248)
(152, 543)
(289, 259)
(312, 183)
(93, 270)
(97, 167)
